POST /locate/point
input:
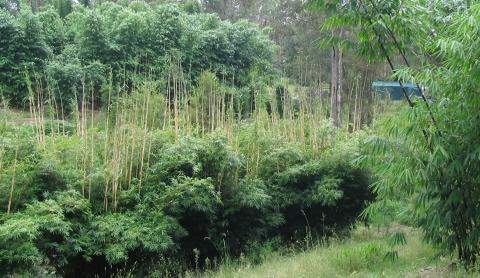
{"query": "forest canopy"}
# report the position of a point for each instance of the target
(122, 44)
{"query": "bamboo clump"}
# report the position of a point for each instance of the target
(116, 143)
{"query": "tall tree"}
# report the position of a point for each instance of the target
(336, 82)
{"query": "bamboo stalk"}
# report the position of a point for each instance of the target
(12, 186)
(143, 144)
(92, 146)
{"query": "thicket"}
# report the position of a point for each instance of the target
(439, 168)
(89, 48)
(158, 138)
(196, 205)
(427, 156)
(171, 183)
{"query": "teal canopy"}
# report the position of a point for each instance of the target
(393, 90)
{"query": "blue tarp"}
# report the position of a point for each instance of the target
(393, 90)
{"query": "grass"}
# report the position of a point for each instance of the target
(14, 116)
(361, 255)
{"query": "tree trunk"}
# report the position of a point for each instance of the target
(334, 87)
(336, 84)
(340, 85)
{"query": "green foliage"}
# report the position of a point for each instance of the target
(47, 232)
(116, 235)
(53, 30)
(323, 195)
(426, 157)
(452, 166)
(196, 202)
(373, 23)
(91, 37)
(63, 51)
(191, 6)
(434, 166)
(125, 188)
(360, 257)
(22, 50)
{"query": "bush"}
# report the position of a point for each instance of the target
(223, 210)
(197, 204)
(45, 233)
(322, 196)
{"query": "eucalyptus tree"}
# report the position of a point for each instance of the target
(341, 30)
(292, 27)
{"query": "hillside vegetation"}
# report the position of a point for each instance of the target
(215, 138)
(362, 255)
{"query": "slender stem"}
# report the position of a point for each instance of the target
(10, 197)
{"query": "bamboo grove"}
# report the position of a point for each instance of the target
(201, 153)
(167, 138)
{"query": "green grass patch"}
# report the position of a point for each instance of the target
(363, 254)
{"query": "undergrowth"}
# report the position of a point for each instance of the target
(362, 254)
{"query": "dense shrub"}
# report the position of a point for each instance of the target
(45, 233)
(322, 196)
(197, 202)
(22, 49)
(73, 54)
